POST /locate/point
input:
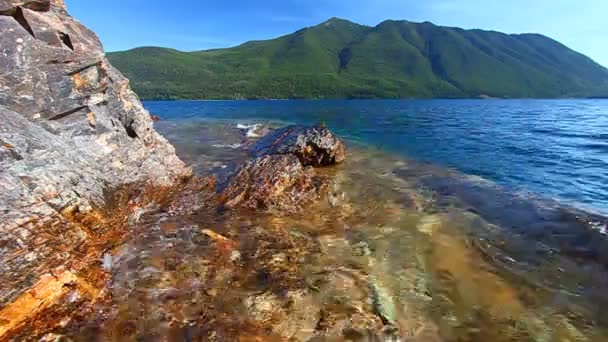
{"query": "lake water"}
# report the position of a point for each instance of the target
(553, 148)
(449, 221)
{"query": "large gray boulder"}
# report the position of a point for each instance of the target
(71, 130)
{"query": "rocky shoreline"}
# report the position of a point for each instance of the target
(81, 163)
(343, 262)
(106, 234)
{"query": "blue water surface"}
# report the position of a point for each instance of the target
(553, 148)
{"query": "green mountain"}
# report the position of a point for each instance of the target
(396, 59)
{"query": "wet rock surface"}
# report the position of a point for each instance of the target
(377, 261)
(314, 146)
(281, 175)
(195, 195)
(273, 182)
(71, 130)
(372, 267)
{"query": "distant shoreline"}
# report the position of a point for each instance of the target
(384, 99)
(339, 59)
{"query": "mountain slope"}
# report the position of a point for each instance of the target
(396, 59)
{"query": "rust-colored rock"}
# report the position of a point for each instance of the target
(196, 194)
(273, 182)
(282, 176)
(80, 163)
(49, 289)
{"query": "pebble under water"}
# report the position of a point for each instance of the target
(401, 250)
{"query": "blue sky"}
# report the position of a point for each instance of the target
(204, 24)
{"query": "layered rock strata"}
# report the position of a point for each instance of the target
(71, 131)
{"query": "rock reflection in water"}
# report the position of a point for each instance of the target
(386, 257)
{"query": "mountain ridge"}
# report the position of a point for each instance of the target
(394, 59)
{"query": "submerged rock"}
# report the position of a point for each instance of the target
(195, 195)
(273, 182)
(314, 146)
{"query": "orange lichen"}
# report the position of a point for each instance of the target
(215, 236)
(223, 244)
(308, 150)
(45, 293)
(92, 119)
(59, 3)
(80, 82)
(42, 306)
(122, 94)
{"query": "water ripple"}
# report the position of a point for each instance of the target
(555, 148)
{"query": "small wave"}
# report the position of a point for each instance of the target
(596, 147)
(252, 134)
(246, 127)
(559, 133)
(479, 180)
(251, 130)
(542, 130)
(600, 227)
(600, 136)
(232, 146)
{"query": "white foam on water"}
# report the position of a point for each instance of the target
(246, 127)
(232, 146)
(251, 129)
(600, 227)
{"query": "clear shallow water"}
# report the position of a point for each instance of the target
(399, 250)
(553, 148)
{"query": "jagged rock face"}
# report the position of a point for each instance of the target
(314, 146)
(70, 129)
